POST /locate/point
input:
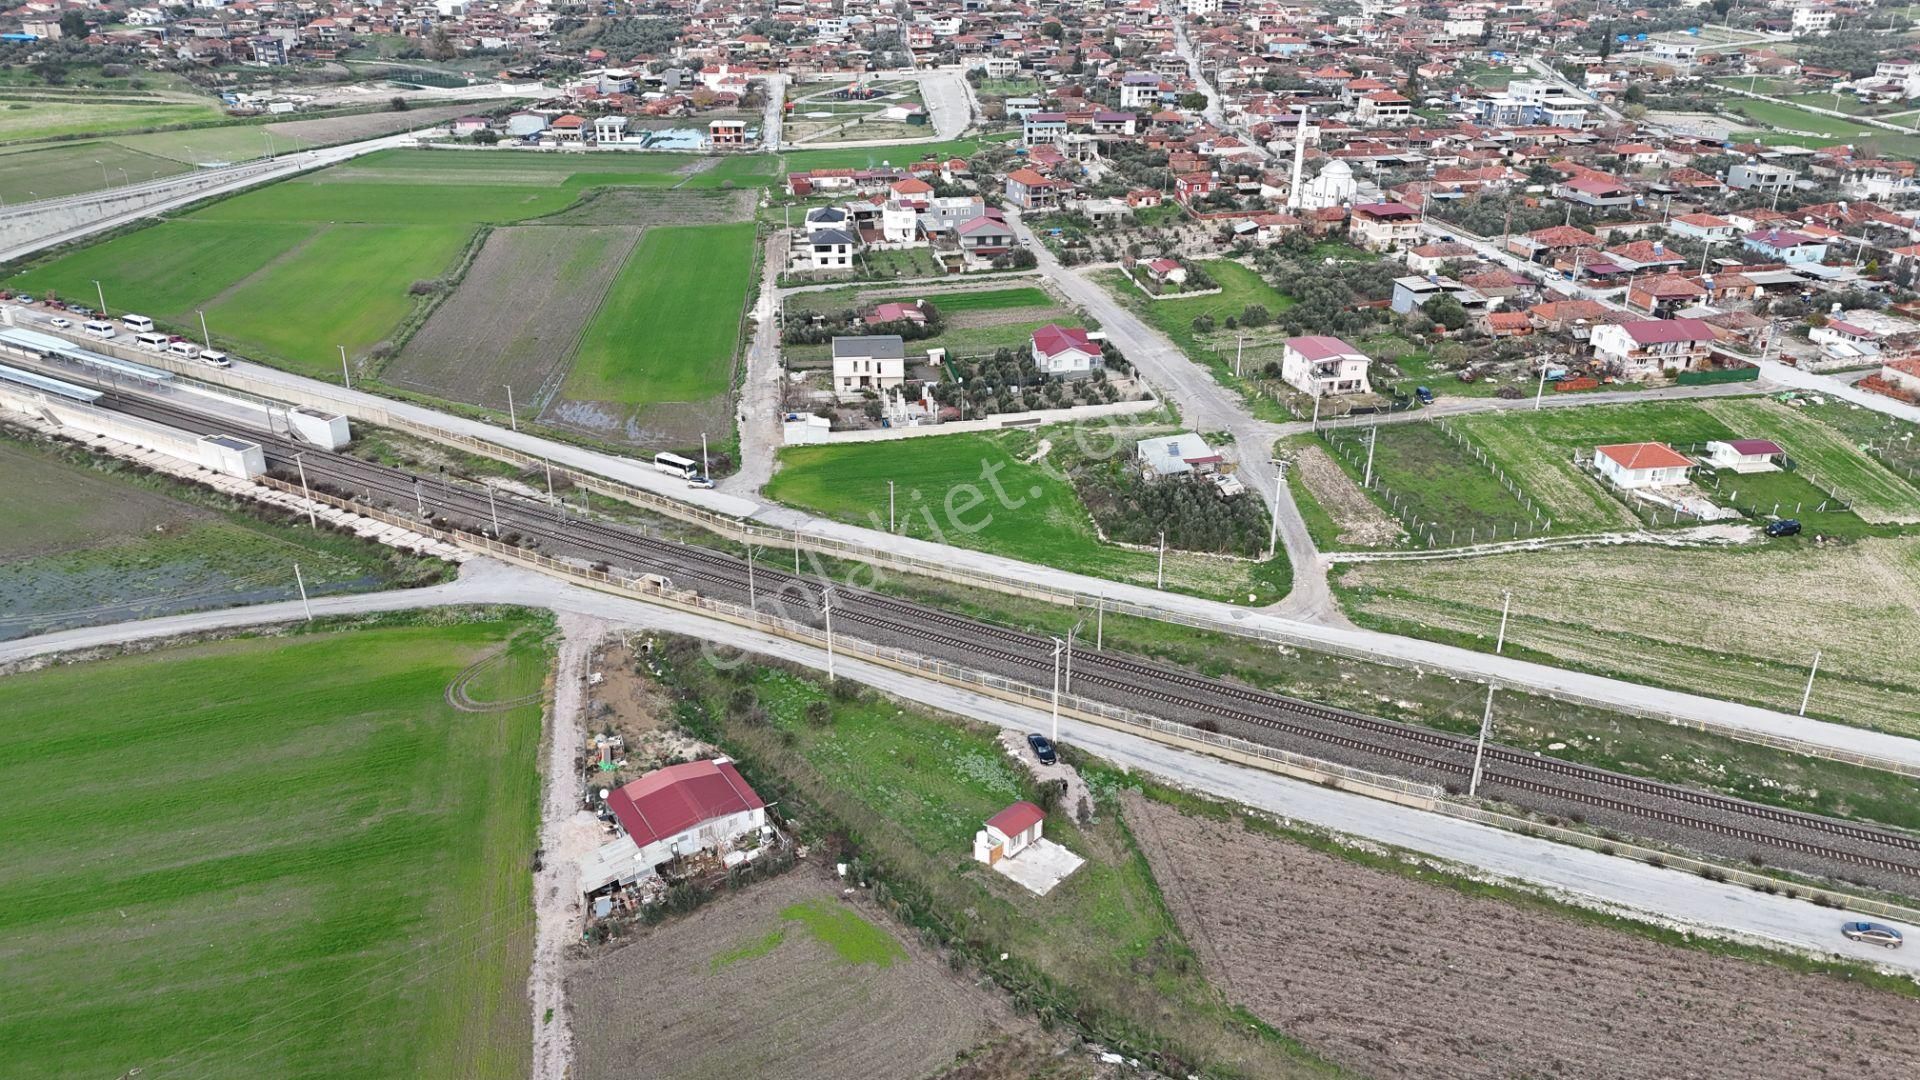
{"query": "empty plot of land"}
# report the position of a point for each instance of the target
(50, 171)
(652, 206)
(1688, 618)
(1360, 520)
(516, 316)
(783, 979)
(53, 507)
(1823, 454)
(1433, 982)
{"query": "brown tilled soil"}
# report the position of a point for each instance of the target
(662, 1007)
(1395, 978)
(327, 130)
(516, 316)
(1361, 522)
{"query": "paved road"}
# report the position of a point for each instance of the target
(1205, 405)
(776, 91)
(1581, 875)
(1214, 113)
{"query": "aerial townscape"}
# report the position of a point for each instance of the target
(1162, 539)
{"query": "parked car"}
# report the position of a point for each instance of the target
(1043, 748)
(1872, 933)
(59, 323)
(699, 482)
(1425, 395)
(1783, 527)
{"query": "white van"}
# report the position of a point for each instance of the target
(215, 358)
(98, 328)
(137, 323)
(156, 342)
(184, 348)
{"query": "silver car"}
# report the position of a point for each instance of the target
(1872, 933)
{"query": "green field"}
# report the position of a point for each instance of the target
(1240, 287)
(169, 270)
(1436, 480)
(56, 116)
(667, 329)
(1825, 455)
(867, 157)
(1823, 130)
(993, 300)
(308, 864)
(47, 172)
(1032, 514)
(347, 286)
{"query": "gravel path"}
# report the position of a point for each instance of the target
(566, 833)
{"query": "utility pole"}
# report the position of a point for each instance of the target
(1239, 351)
(890, 525)
(346, 379)
(1807, 695)
(1506, 602)
(550, 497)
(493, 508)
(1540, 394)
(1273, 529)
(100, 292)
(826, 611)
(302, 583)
(305, 492)
(753, 605)
(1068, 681)
(1480, 748)
(1160, 578)
(1373, 436)
(1100, 622)
(1315, 425)
(205, 337)
(513, 421)
(1057, 646)
(419, 504)
(706, 470)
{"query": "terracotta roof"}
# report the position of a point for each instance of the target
(1643, 455)
(1054, 339)
(1755, 446)
(1316, 347)
(1664, 331)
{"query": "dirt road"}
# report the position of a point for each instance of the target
(566, 833)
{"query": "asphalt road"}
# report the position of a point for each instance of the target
(1580, 875)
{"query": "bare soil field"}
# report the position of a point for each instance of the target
(325, 131)
(1688, 617)
(645, 206)
(1362, 522)
(742, 989)
(1432, 982)
(52, 507)
(516, 316)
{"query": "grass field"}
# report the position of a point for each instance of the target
(347, 286)
(1685, 618)
(55, 116)
(993, 299)
(667, 329)
(1819, 451)
(169, 270)
(307, 864)
(1436, 480)
(866, 157)
(1022, 511)
(973, 323)
(1824, 130)
(909, 789)
(53, 170)
(1240, 287)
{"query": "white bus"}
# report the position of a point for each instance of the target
(675, 465)
(98, 328)
(184, 348)
(156, 342)
(137, 323)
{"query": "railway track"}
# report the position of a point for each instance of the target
(1526, 779)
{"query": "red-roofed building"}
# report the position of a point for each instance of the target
(1318, 364)
(1379, 226)
(1009, 832)
(1654, 347)
(671, 812)
(1065, 351)
(1641, 465)
(1028, 190)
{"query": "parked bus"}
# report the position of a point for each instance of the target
(156, 342)
(184, 348)
(137, 323)
(675, 465)
(98, 328)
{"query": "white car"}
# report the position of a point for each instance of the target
(59, 323)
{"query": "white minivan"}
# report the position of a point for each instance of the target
(137, 323)
(215, 358)
(184, 348)
(98, 328)
(156, 342)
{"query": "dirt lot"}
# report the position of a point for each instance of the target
(739, 989)
(53, 507)
(326, 131)
(642, 207)
(1361, 522)
(1434, 983)
(516, 316)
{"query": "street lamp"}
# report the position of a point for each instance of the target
(102, 294)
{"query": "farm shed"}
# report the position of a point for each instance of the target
(670, 812)
(1009, 832)
(1744, 455)
(1174, 455)
(1641, 465)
